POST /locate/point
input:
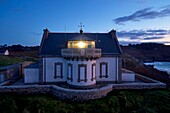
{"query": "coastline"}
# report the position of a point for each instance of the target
(161, 66)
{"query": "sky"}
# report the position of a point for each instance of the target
(136, 21)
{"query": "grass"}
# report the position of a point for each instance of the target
(17, 57)
(126, 101)
(33, 54)
(8, 60)
(119, 101)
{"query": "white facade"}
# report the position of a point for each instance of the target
(79, 60)
(80, 73)
(31, 75)
(128, 77)
(49, 74)
(111, 69)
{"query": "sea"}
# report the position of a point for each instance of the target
(162, 66)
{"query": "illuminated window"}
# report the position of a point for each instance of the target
(81, 44)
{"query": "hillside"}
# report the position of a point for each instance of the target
(137, 66)
(148, 51)
(118, 101)
(8, 60)
(18, 53)
(131, 101)
(134, 56)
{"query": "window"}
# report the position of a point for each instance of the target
(58, 70)
(82, 74)
(70, 72)
(81, 44)
(93, 71)
(103, 69)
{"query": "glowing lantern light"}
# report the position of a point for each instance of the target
(81, 44)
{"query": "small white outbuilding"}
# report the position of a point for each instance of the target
(31, 73)
(4, 52)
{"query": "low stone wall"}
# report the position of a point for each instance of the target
(10, 81)
(139, 86)
(145, 79)
(80, 95)
(61, 93)
(10, 72)
(26, 89)
(74, 94)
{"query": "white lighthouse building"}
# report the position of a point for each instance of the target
(78, 59)
(81, 56)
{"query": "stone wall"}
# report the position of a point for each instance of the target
(76, 95)
(145, 79)
(139, 86)
(81, 95)
(61, 93)
(11, 72)
(26, 89)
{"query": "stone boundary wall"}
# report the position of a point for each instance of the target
(139, 86)
(26, 89)
(145, 79)
(81, 95)
(11, 72)
(76, 95)
(9, 81)
(61, 93)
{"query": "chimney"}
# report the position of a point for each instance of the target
(113, 33)
(46, 32)
(45, 35)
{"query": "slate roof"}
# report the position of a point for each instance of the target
(54, 42)
(33, 65)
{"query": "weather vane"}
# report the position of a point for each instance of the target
(81, 26)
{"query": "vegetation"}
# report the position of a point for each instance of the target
(136, 66)
(18, 53)
(18, 48)
(124, 101)
(148, 51)
(7, 60)
(131, 101)
(135, 55)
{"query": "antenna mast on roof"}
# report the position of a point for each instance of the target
(65, 30)
(81, 26)
(96, 38)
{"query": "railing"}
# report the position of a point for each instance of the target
(79, 52)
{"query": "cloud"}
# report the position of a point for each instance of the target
(152, 38)
(159, 30)
(126, 42)
(147, 13)
(138, 36)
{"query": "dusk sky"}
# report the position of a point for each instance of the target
(136, 21)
